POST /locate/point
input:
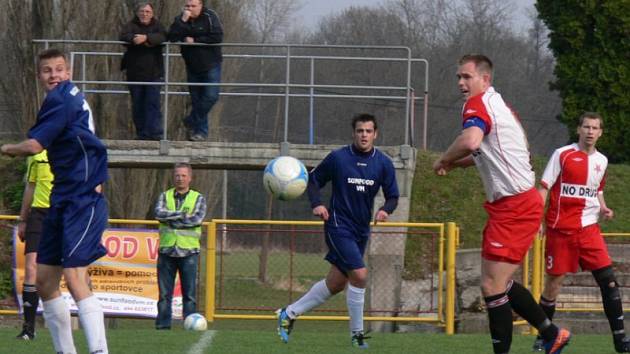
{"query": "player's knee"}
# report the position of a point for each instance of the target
(607, 282)
(358, 277)
(336, 288)
(490, 286)
(45, 288)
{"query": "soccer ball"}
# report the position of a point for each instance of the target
(285, 178)
(195, 322)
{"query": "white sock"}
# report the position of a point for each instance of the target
(355, 298)
(317, 295)
(57, 316)
(93, 323)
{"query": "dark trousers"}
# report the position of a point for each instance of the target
(167, 267)
(202, 99)
(145, 102)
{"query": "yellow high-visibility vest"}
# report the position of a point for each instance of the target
(182, 238)
(39, 173)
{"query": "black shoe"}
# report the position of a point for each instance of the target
(623, 345)
(198, 137)
(539, 345)
(358, 340)
(26, 334)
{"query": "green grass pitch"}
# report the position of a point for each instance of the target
(248, 337)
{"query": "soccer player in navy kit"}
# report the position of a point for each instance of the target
(71, 238)
(357, 172)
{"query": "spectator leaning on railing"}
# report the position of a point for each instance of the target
(198, 24)
(143, 62)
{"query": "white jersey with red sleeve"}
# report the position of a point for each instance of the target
(574, 180)
(503, 159)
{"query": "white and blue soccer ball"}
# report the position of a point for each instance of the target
(285, 178)
(195, 322)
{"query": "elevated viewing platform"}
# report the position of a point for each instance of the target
(229, 155)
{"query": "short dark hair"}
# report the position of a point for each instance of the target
(142, 4)
(591, 115)
(183, 165)
(482, 62)
(49, 54)
(364, 117)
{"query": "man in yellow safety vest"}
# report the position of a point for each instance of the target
(180, 211)
(35, 204)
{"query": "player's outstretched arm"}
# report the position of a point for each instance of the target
(24, 148)
(457, 154)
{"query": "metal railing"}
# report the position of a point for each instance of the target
(446, 292)
(445, 315)
(288, 87)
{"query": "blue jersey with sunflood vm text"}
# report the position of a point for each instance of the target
(356, 179)
(65, 128)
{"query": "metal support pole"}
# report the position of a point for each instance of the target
(537, 265)
(425, 114)
(407, 98)
(166, 88)
(286, 95)
(83, 69)
(211, 259)
(450, 277)
(224, 202)
(311, 105)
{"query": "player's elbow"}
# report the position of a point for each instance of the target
(471, 143)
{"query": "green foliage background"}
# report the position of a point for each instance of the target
(11, 188)
(459, 197)
(591, 43)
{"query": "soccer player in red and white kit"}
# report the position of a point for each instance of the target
(574, 179)
(493, 139)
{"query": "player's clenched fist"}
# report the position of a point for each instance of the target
(321, 212)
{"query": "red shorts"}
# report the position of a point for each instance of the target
(513, 222)
(586, 248)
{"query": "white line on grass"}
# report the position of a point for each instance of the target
(204, 342)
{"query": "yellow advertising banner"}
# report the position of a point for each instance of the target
(124, 280)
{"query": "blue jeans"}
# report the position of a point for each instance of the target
(167, 267)
(202, 98)
(145, 103)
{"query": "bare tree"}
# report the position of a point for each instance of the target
(270, 19)
(130, 194)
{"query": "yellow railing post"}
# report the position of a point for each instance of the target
(440, 295)
(525, 272)
(450, 277)
(211, 257)
(537, 265)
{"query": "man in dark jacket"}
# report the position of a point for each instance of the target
(143, 63)
(198, 24)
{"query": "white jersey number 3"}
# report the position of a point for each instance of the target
(549, 262)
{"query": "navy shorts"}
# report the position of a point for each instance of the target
(345, 249)
(72, 232)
